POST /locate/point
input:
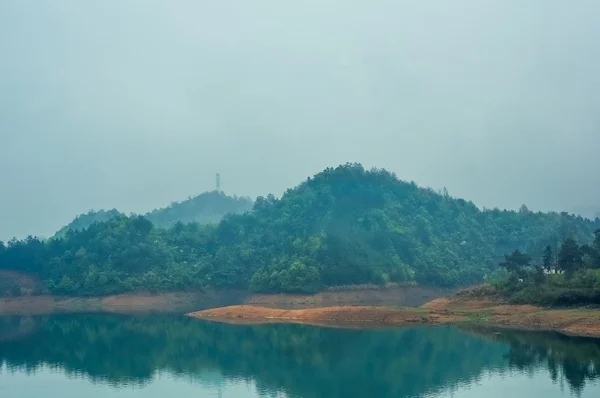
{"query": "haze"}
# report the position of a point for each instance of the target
(134, 104)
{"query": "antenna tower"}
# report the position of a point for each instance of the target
(218, 182)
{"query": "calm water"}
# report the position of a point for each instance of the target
(169, 356)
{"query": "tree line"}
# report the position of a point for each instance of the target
(566, 275)
(344, 226)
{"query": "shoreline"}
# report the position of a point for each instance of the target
(574, 322)
(364, 307)
(129, 303)
(186, 301)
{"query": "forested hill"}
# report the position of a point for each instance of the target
(208, 207)
(346, 225)
(83, 221)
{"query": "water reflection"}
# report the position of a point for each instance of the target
(300, 361)
(571, 359)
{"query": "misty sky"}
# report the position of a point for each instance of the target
(133, 104)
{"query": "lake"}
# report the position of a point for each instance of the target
(99, 355)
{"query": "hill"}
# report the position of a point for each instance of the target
(208, 207)
(83, 221)
(348, 225)
(344, 226)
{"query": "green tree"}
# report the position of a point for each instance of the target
(569, 257)
(548, 258)
(524, 209)
(588, 255)
(2, 253)
(539, 277)
(516, 262)
(596, 248)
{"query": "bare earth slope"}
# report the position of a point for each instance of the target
(182, 302)
(12, 282)
(362, 295)
(454, 309)
(337, 315)
(141, 302)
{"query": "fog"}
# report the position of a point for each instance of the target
(133, 104)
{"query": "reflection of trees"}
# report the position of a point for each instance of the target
(302, 360)
(15, 327)
(575, 359)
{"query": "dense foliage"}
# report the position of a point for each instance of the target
(344, 226)
(83, 221)
(563, 277)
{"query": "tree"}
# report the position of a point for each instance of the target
(524, 209)
(538, 276)
(588, 255)
(596, 248)
(2, 252)
(516, 262)
(570, 258)
(141, 225)
(548, 258)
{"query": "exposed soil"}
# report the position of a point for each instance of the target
(458, 308)
(12, 282)
(407, 296)
(338, 315)
(362, 305)
(23, 294)
(123, 303)
(178, 302)
(451, 304)
(183, 302)
(581, 322)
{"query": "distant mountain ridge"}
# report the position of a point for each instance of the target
(208, 207)
(205, 208)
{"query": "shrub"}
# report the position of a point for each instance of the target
(556, 297)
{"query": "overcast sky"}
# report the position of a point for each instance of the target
(133, 104)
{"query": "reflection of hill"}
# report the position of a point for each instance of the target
(301, 360)
(304, 361)
(574, 359)
(16, 328)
